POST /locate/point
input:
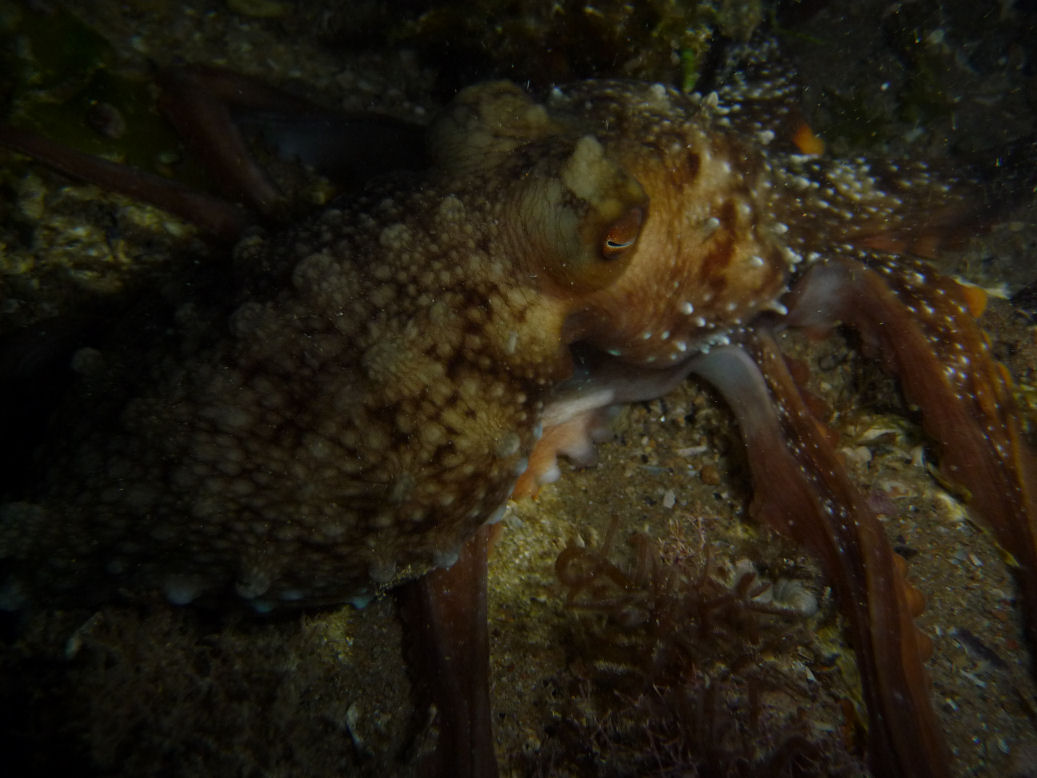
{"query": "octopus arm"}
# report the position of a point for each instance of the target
(577, 414)
(802, 491)
(445, 614)
(761, 96)
(923, 328)
(207, 106)
(212, 214)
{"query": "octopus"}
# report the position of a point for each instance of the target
(356, 411)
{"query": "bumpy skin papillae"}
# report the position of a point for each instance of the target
(361, 414)
(382, 378)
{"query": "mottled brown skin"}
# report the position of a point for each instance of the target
(378, 386)
(350, 428)
(386, 368)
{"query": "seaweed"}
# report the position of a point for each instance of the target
(687, 664)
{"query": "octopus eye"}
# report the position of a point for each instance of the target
(622, 233)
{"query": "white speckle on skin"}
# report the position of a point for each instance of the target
(446, 559)
(183, 589)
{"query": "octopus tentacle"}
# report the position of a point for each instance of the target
(922, 326)
(762, 95)
(214, 215)
(210, 106)
(445, 613)
(802, 491)
(577, 415)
